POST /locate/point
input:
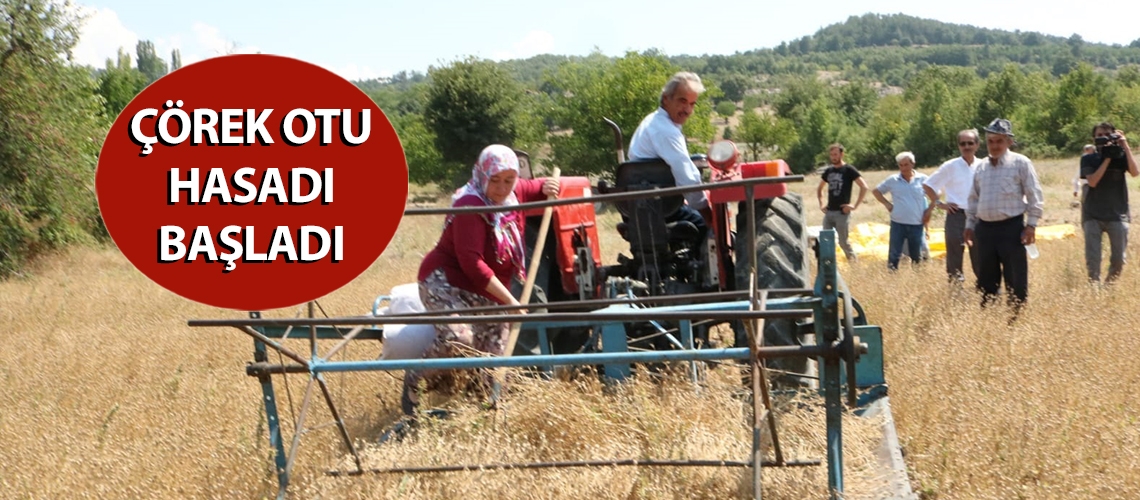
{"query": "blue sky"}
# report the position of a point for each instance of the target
(361, 39)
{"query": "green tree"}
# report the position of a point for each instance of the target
(119, 83)
(50, 134)
(726, 109)
(623, 90)
(148, 61)
(471, 104)
(815, 134)
(1082, 101)
(856, 101)
(1002, 93)
(934, 126)
(734, 86)
(425, 163)
(763, 134)
(885, 134)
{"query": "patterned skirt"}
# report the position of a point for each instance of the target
(453, 340)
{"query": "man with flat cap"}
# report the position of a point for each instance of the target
(1004, 206)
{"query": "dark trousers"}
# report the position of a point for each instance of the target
(956, 246)
(999, 254)
(687, 213)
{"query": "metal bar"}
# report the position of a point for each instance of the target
(766, 393)
(586, 318)
(848, 341)
(602, 198)
(766, 352)
(347, 338)
(690, 298)
(686, 328)
(339, 421)
(312, 333)
(272, 417)
(570, 464)
(305, 403)
(267, 341)
(828, 327)
(756, 332)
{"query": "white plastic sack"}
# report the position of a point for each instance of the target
(406, 341)
(405, 299)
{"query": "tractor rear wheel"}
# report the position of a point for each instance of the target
(781, 249)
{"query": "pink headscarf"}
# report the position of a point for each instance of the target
(508, 241)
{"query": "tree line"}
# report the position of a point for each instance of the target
(879, 84)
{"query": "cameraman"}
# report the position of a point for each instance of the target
(1105, 208)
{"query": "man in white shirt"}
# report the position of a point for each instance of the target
(659, 136)
(954, 178)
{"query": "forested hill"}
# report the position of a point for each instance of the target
(880, 84)
(892, 48)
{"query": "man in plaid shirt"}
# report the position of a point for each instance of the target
(1005, 204)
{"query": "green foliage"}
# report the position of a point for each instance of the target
(885, 135)
(734, 86)
(815, 133)
(148, 61)
(119, 83)
(726, 109)
(946, 100)
(857, 102)
(50, 134)
(764, 135)
(1129, 75)
(797, 94)
(471, 104)
(624, 90)
(425, 163)
(1083, 98)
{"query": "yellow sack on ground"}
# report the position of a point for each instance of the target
(871, 240)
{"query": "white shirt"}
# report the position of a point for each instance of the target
(955, 178)
(658, 137)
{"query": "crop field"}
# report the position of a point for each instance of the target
(106, 393)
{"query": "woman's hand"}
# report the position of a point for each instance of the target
(551, 187)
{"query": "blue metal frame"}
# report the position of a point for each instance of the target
(615, 356)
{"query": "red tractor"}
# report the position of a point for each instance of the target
(664, 259)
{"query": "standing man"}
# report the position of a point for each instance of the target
(1005, 204)
(1080, 185)
(954, 178)
(838, 178)
(908, 208)
(659, 136)
(1105, 208)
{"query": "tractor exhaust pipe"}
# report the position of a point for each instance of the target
(617, 139)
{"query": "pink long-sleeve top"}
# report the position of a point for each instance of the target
(466, 250)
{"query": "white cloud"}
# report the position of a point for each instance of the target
(101, 37)
(532, 44)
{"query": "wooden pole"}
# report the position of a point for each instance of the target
(532, 273)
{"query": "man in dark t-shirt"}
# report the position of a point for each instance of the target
(837, 178)
(1105, 209)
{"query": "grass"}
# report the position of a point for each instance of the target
(106, 393)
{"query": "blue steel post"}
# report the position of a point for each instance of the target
(827, 327)
(270, 399)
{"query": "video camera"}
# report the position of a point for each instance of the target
(1109, 147)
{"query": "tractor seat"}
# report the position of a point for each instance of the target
(646, 174)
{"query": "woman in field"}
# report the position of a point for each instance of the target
(473, 264)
